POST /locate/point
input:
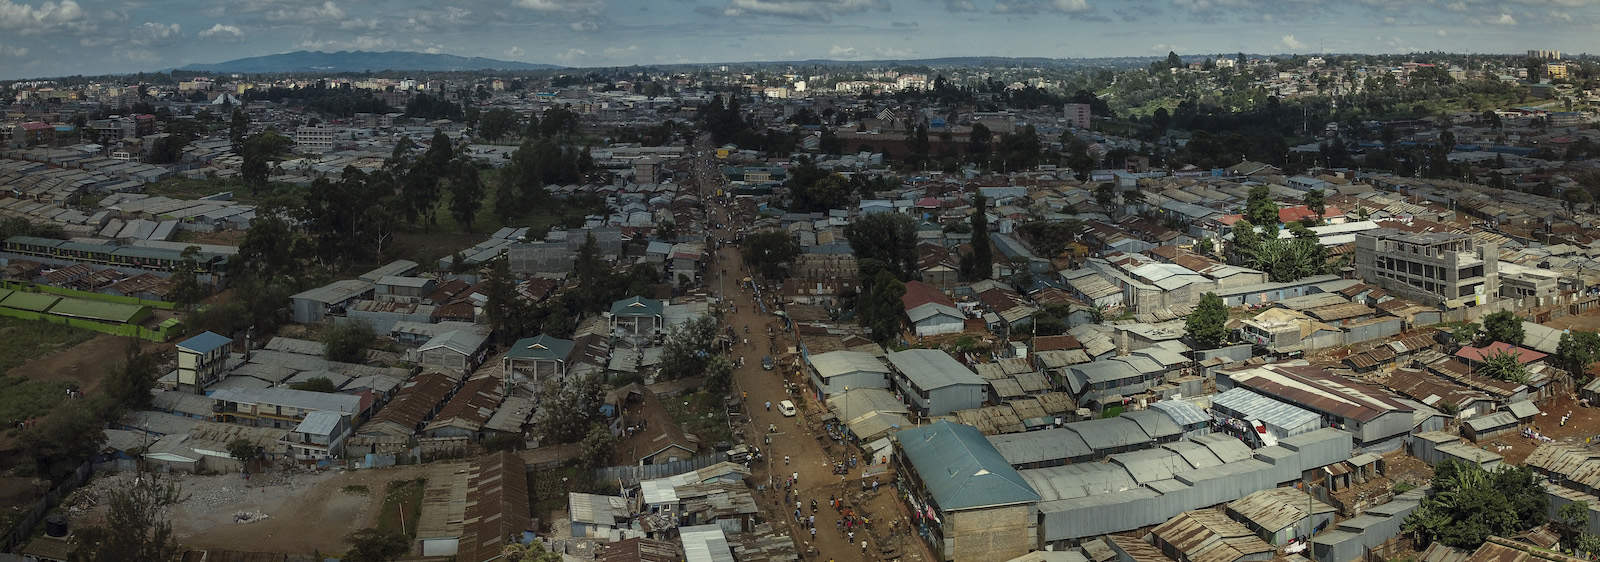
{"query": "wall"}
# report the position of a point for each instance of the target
(955, 397)
(998, 533)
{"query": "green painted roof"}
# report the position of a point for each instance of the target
(96, 310)
(962, 469)
(637, 306)
(36, 302)
(541, 348)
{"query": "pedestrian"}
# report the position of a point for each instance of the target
(812, 521)
(813, 533)
(796, 477)
(769, 405)
(863, 546)
(786, 459)
(874, 486)
(851, 535)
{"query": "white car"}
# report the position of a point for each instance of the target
(787, 408)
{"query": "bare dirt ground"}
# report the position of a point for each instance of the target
(307, 512)
(84, 364)
(1589, 321)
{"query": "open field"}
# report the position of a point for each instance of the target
(306, 512)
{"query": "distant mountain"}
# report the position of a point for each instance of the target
(361, 61)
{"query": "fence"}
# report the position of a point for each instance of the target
(23, 528)
(128, 330)
(629, 475)
(86, 295)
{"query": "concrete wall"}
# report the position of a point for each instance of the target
(999, 533)
(854, 380)
(955, 397)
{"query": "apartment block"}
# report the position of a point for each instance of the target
(313, 138)
(1436, 267)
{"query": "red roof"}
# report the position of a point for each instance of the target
(1524, 355)
(1287, 215)
(35, 126)
(919, 293)
(928, 202)
(1230, 219)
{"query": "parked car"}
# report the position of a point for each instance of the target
(766, 363)
(787, 408)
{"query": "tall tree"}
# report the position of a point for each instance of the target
(238, 128)
(770, 252)
(186, 288)
(888, 238)
(880, 307)
(1503, 326)
(980, 264)
(1316, 202)
(979, 142)
(503, 305)
(1207, 324)
(1576, 351)
(1259, 206)
(466, 192)
(1468, 504)
(137, 526)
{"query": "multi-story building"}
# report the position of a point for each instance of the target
(282, 408)
(314, 138)
(202, 360)
(1543, 54)
(319, 436)
(1436, 267)
(1078, 115)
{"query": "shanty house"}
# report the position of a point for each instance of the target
(836, 371)
(934, 383)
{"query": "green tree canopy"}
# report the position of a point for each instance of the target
(1577, 350)
(347, 342)
(1260, 208)
(1503, 326)
(1207, 324)
(137, 525)
(888, 238)
(1468, 504)
(1505, 366)
(980, 263)
(880, 307)
(770, 252)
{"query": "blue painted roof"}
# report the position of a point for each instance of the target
(637, 306)
(204, 343)
(961, 469)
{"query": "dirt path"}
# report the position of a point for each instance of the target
(795, 449)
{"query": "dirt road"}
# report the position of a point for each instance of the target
(795, 450)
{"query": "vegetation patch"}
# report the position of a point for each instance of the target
(402, 502)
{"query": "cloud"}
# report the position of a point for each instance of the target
(152, 33)
(1292, 43)
(359, 43)
(7, 51)
(584, 26)
(219, 31)
(46, 17)
(561, 5)
(317, 13)
(903, 24)
(838, 51)
(1504, 19)
(359, 23)
(515, 52)
(960, 5)
(619, 51)
(571, 55)
(1041, 6)
(815, 10)
(1441, 32)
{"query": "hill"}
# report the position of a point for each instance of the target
(361, 61)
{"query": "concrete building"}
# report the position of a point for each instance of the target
(314, 138)
(1371, 415)
(313, 305)
(637, 316)
(930, 311)
(320, 436)
(202, 360)
(539, 358)
(1077, 115)
(934, 383)
(977, 507)
(455, 351)
(1436, 268)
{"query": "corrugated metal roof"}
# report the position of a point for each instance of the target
(1040, 446)
(930, 369)
(961, 469)
(1276, 508)
(1109, 433)
(1182, 412)
(1269, 411)
(1079, 480)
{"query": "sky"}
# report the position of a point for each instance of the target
(61, 37)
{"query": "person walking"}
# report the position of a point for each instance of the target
(786, 460)
(863, 546)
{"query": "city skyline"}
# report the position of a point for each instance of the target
(51, 38)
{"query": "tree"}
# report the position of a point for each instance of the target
(918, 146)
(890, 239)
(1503, 326)
(373, 545)
(597, 446)
(1468, 504)
(186, 288)
(719, 375)
(1204, 247)
(1260, 208)
(238, 127)
(568, 410)
(137, 526)
(689, 348)
(979, 141)
(503, 306)
(1173, 60)
(1316, 202)
(466, 193)
(1576, 351)
(880, 306)
(1572, 520)
(770, 252)
(316, 384)
(1207, 324)
(268, 247)
(497, 123)
(243, 449)
(347, 342)
(980, 264)
(1505, 366)
(1106, 195)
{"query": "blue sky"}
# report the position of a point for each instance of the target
(56, 37)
